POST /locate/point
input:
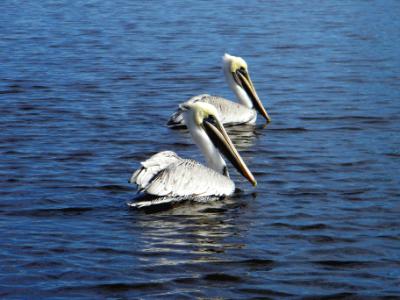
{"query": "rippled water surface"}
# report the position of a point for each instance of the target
(85, 90)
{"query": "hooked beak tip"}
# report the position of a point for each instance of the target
(266, 116)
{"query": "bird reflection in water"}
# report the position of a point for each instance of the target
(188, 233)
(243, 136)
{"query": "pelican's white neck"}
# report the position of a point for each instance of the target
(240, 93)
(210, 152)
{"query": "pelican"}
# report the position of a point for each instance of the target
(168, 177)
(231, 113)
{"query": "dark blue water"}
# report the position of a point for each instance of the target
(85, 90)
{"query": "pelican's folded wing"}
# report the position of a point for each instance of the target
(231, 113)
(187, 177)
(152, 166)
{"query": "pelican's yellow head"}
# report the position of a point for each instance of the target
(201, 111)
(234, 62)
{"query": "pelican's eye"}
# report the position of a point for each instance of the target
(242, 70)
(211, 119)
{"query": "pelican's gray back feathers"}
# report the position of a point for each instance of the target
(151, 167)
(231, 113)
(166, 174)
(187, 177)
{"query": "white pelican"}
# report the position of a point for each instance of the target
(232, 113)
(168, 177)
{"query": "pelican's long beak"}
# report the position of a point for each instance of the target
(221, 140)
(242, 78)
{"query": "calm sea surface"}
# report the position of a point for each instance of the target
(86, 88)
